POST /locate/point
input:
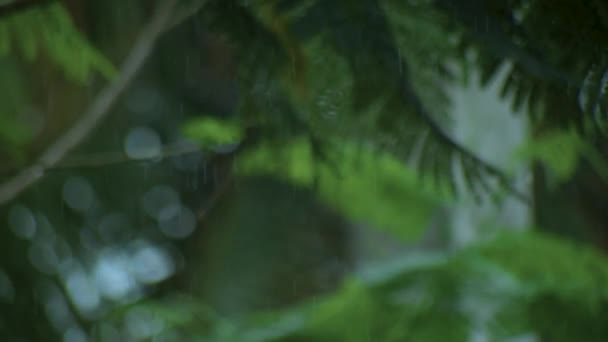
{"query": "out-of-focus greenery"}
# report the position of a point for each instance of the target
(43, 32)
(432, 297)
(561, 152)
(13, 134)
(212, 132)
(364, 183)
(49, 30)
(232, 191)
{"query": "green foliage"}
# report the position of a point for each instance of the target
(557, 72)
(167, 315)
(343, 92)
(568, 284)
(212, 132)
(363, 183)
(49, 29)
(428, 57)
(42, 30)
(568, 271)
(14, 132)
(361, 313)
(426, 301)
(559, 151)
(317, 76)
(428, 298)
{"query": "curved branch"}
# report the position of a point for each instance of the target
(98, 108)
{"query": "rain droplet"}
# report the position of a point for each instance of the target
(82, 291)
(158, 198)
(74, 334)
(143, 143)
(43, 257)
(78, 194)
(142, 324)
(177, 222)
(194, 181)
(22, 221)
(151, 264)
(113, 227)
(57, 309)
(112, 275)
(188, 161)
(7, 290)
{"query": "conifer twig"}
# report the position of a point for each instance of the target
(96, 111)
(409, 95)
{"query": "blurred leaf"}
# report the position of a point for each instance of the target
(364, 184)
(500, 286)
(12, 133)
(574, 272)
(333, 319)
(558, 150)
(15, 132)
(212, 132)
(49, 29)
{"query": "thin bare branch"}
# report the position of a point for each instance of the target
(98, 108)
(184, 13)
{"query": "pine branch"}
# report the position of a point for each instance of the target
(411, 99)
(98, 109)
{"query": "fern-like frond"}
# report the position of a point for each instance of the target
(557, 52)
(351, 70)
(49, 30)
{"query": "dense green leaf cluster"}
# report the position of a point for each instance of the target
(501, 288)
(49, 30)
(365, 184)
(348, 71)
(557, 54)
(41, 31)
(375, 70)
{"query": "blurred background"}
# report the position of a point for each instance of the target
(303, 170)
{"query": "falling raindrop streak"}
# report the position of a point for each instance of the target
(400, 61)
